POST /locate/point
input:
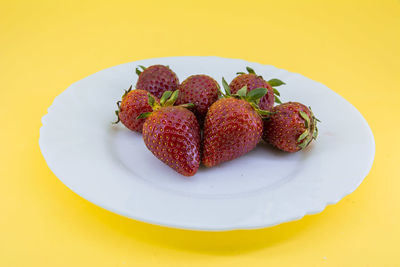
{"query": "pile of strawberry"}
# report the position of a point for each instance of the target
(192, 122)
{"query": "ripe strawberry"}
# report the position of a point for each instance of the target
(202, 91)
(253, 81)
(157, 79)
(134, 103)
(233, 126)
(172, 134)
(291, 127)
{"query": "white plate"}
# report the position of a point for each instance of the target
(110, 166)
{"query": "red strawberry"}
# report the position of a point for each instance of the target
(253, 81)
(157, 79)
(291, 127)
(134, 103)
(233, 126)
(172, 134)
(202, 91)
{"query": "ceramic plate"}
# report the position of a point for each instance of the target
(111, 167)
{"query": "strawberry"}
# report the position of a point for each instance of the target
(233, 126)
(202, 91)
(134, 103)
(291, 127)
(253, 81)
(172, 134)
(157, 79)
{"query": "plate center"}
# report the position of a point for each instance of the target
(261, 169)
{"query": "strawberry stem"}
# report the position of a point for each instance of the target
(172, 99)
(119, 104)
(165, 96)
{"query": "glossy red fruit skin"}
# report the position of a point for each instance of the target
(172, 134)
(285, 126)
(132, 105)
(157, 79)
(232, 128)
(252, 81)
(200, 90)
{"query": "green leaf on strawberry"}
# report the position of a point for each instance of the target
(256, 94)
(242, 92)
(275, 82)
(226, 87)
(250, 70)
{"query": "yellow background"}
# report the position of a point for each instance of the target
(351, 46)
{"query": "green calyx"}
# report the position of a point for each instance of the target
(226, 88)
(273, 82)
(164, 97)
(249, 70)
(311, 132)
(119, 104)
(167, 99)
(117, 112)
(253, 97)
(171, 99)
(127, 91)
(138, 71)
